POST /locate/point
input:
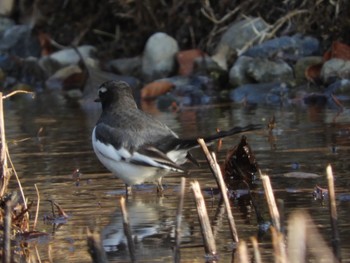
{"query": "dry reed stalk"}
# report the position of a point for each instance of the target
(5, 176)
(18, 181)
(257, 255)
(127, 230)
(215, 168)
(333, 214)
(177, 255)
(302, 234)
(275, 216)
(50, 253)
(207, 233)
(296, 245)
(280, 208)
(242, 253)
(278, 246)
(37, 254)
(7, 232)
(37, 207)
(95, 248)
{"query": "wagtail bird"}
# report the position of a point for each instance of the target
(135, 146)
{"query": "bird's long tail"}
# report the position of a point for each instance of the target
(190, 143)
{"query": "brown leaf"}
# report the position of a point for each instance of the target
(155, 89)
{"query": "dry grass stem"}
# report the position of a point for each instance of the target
(278, 246)
(37, 254)
(333, 213)
(7, 232)
(18, 181)
(5, 176)
(257, 255)
(215, 168)
(223, 189)
(275, 216)
(95, 247)
(207, 233)
(242, 253)
(37, 207)
(302, 234)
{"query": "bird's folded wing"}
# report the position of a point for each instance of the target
(112, 145)
(151, 156)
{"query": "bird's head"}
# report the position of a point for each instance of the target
(115, 93)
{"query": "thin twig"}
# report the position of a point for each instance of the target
(37, 207)
(17, 92)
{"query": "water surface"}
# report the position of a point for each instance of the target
(305, 140)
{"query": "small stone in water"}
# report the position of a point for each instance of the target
(301, 175)
(295, 165)
(334, 149)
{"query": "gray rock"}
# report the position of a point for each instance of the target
(261, 70)
(5, 23)
(335, 68)
(49, 65)
(69, 56)
(238, 72)
(264, 71)
(205, 65)
(286, 47)
(302, 64)
(159, 56)
(240, 34)
(18, 40)
(262, 93)
(125, 66)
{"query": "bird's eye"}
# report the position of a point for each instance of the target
(102, 89)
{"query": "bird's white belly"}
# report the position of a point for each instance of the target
(129, 173)
(116, 162)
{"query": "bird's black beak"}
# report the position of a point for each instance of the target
(97, 100)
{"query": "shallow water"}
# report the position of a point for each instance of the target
(305, 140)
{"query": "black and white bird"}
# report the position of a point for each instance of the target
(136, 147)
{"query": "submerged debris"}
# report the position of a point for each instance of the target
(240, 165)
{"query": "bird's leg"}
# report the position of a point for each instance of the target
(128, 190)
(160, 188)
